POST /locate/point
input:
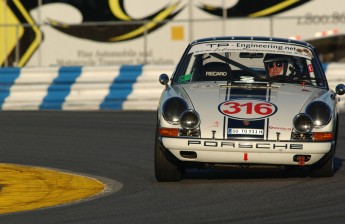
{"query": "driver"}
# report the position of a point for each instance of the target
(276, 64)
(275, 68)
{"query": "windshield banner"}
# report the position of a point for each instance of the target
(252, 47)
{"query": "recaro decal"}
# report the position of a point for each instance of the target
(216, 74)
(247, 109)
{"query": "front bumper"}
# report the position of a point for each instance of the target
(245, 152)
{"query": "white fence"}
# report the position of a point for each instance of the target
(97, 88)
(81, 88)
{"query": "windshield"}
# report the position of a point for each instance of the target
(249, 62)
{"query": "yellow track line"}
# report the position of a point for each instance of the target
(24, 188)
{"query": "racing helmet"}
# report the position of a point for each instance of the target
(278, 60)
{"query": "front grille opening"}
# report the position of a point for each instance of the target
(189, 133)
(305, 158)
(188, 154)
(301, 137)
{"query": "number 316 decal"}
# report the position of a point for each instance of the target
(246, 109)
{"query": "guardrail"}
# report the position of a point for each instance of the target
(97, 88)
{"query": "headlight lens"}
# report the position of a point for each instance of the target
(303, 123)
(319, 112)
(173, 108)
(189, 119)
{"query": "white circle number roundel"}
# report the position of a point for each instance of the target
(247, 109)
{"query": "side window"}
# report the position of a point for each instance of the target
(315, 75)
(184, 73)
(303, 65)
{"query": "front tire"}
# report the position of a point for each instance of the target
(326, 169)
(165, 169)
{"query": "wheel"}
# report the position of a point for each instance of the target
(165, 169)
(326, 169)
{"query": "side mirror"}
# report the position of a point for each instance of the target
(340, 89)
(164, 79)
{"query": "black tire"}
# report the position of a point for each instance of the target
(326, 169)
(165, 169)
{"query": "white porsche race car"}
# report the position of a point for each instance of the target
(246, 101)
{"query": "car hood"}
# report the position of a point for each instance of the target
(269, 109)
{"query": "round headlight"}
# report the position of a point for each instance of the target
(303, 123)
(189, 119)
(319, 112)
(173, 108)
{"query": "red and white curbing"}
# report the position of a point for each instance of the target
(318, 34)
(327, 33)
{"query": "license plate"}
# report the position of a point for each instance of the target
(245, 131)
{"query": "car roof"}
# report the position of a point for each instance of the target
(254, 38)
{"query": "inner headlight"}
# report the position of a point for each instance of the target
(173, 108)
(189, 119)
(319, 112)
(303, 123)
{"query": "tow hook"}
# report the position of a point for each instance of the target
(278, 134)
(301, 159)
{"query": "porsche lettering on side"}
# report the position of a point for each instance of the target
(246, 101)
(241, 145)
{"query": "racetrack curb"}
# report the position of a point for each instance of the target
(25, 188)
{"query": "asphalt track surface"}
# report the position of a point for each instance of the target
(119, 146)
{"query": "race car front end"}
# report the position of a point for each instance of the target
(224, 108)
(204, 134)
